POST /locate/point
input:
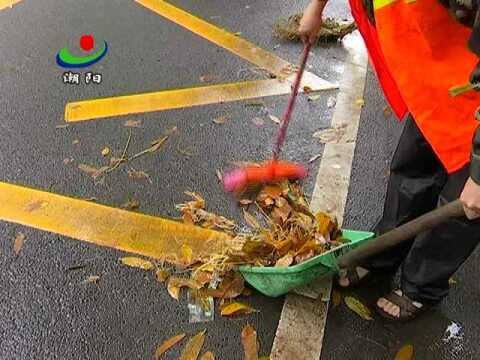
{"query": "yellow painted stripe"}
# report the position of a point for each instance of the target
(180, 98)
(221, 37)
(102, 225)
(8, 3)
(378, 4)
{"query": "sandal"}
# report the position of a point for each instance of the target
(353, 277)
(408, 308)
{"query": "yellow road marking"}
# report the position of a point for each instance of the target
(174, 99)
(8, 3)
(221, 37)
(105, 226)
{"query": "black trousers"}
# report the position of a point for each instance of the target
(418, 183)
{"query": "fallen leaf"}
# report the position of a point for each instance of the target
(105, 151)
(230, 287)
(187, 254)
(208, 356)
(307, 89)
(331, 102)
(132, 123)
(387, 111)
(18, 243)
(358, 307)
(405, 353)
(139, 175)
(220, 120)
(336, 298)
(186, 152)
(67, 161)
(131, 205)
(360, 102)
(92, 279)
(167, 344)
(171, 131)
(250, 220)
(61, 126)
(175, 284)
(156, 144)
(452, 281)
(238, 33)
(219, 175)
(247, 292)
(207, 78)
(76, 142)
(91, 171)
(236, 308)
(314, 97)
(284, 261)
(193, 347)
(315, 157)
(137, 262)
(275, 119)
(258, 122)
(329, 136)
(249, 342)
(245, 202)
(162, 275)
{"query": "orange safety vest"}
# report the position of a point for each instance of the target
(419, 52)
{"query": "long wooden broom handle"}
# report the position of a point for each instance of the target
(402, 233)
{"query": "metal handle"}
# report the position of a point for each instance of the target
(402, 233)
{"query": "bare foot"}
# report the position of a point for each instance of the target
(391, 308)
(343, 280)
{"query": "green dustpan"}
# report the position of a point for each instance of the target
(274, 281)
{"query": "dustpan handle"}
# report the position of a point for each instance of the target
(402, 233)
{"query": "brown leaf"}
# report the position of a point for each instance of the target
(307, 89)
(230, 287)
(175, 284)
(91, 171)
(360, 102)
(131, 205)
(132, 123)
(258, 122)
(156, 144)
(245, 202)
(250, 220)
(167, 344)
(336, 298)
(92, 279)
(193, 347)
(220, 120)
(208, 356)
(137, 262)
(358, 307)
(249, 342)
(18, 243)
(236, 308)
(202, 277)
(207, 78)
(68, 161)
(162, 275)
(284, 261)
(171, 131)
(139, 175)
(405, 353)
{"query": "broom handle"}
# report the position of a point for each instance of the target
(402, 233)
(291, 103)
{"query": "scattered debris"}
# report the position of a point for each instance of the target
(162, 275)
(236, 308)
(207, 78)
(358, 307)
(76, 142)
(176, 283)
(220, 120)
(139, 175)
(131, 205)
(331, 31)
(219, 175)
(105, 151)
(406, 352)
(307, 89)
(193, 347)
(249, 342)
(314, 97)
(258, 122)
(452, 281)
(208, 356)
(360, 102)
(68, 161)
(61, 126)
(331, 135)
(331, 102)
(18, 243)
(92, 279)
(137, 262)
(168, 344)
(275, 119)
(314, 158)
(94, 173)
(132, 123)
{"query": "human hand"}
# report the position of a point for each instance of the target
(470, 199)
(311, 21)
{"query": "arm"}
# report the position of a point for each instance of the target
(311, 21)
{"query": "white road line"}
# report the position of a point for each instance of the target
(302, 323)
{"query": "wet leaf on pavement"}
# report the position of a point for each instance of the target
(236, 308)
(139, 175)
(132, 123)
(18, 243)
(336, 298)
(358, 307)
(250, 220)
(137, 262)
(405, 353)
(208, 356)
(131, 205)
(193, 347)
(91, 171)
(452, 281)
(92, 279)
(249, 342)
(175, 284)
(162, 275)
(220, 120)
(167, 344)
(360, 102)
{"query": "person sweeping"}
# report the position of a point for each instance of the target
(419, 51)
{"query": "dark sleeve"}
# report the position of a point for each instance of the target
(475, 160)
(474, 41)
